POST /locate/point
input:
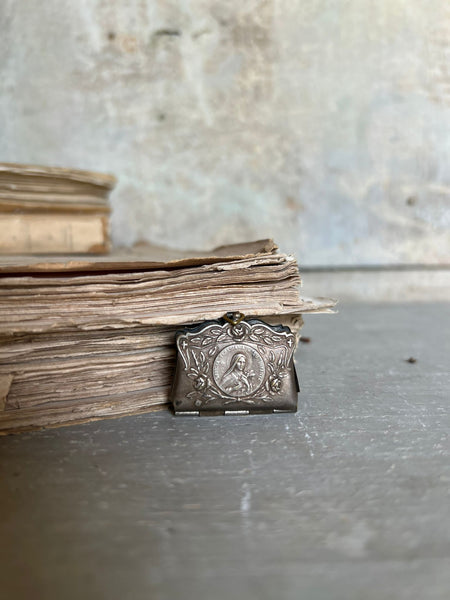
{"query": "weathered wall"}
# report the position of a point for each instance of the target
(322, 123)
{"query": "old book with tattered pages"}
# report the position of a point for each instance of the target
(85, 337)
(53, 210)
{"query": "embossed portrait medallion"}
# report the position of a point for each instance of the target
(235, 367)
(238, 370)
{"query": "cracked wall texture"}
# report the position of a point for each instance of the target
(324, 124)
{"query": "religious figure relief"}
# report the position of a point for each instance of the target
(237, 379)
(238, 370)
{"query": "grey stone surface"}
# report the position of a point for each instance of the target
(324, 124)
(373, 284)
(348, 499)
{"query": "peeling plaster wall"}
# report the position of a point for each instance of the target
(325, 124)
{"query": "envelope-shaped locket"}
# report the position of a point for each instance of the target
(235, 366)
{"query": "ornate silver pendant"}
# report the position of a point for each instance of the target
(235, 366)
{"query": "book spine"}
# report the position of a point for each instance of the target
(43, 233)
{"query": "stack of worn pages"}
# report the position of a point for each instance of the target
(84, 338)
(53, 210)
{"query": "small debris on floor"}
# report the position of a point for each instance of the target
(411, 360)
(305, 340)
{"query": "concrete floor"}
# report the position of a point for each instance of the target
(348, 499)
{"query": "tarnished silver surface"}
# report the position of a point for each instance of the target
(235, 366)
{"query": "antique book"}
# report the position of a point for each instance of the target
(53, 210)
(90, 337)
